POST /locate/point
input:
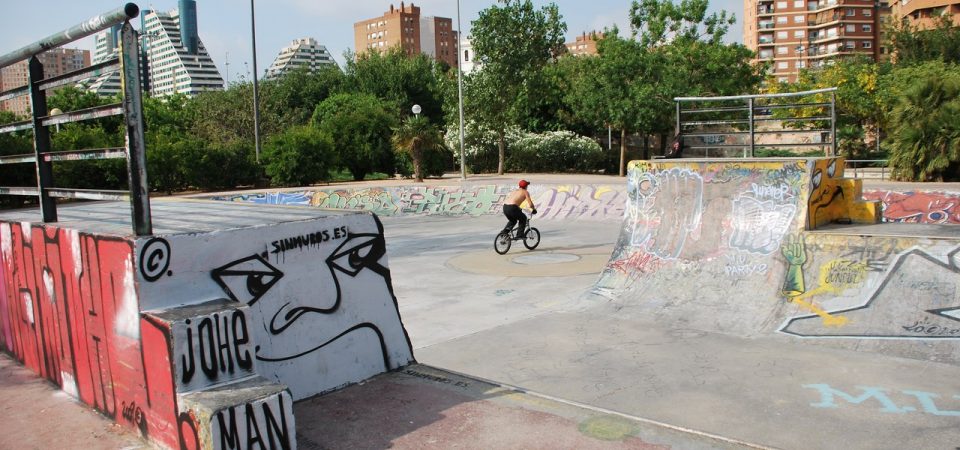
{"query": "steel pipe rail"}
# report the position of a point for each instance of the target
(755, 96)
(79, 31)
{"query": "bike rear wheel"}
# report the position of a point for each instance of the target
(532, 239)
(502, 243)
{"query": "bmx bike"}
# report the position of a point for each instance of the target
(530, 237)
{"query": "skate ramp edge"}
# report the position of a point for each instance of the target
(757, 248)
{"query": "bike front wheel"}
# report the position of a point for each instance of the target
(502, 243)
(532, 239)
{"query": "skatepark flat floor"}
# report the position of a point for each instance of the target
(492, 320)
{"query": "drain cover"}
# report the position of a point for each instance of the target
(546, 258)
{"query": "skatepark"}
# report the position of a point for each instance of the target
(710, 339)
(693, 303)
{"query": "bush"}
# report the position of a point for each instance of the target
(554, 151)
(300, 156)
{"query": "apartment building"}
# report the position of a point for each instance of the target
(177, 61)
(924, 13)
(404, 27)
(585, 44)
(55, 62)
(796, 34)
(305, 52)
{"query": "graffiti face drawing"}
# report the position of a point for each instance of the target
(321, 302)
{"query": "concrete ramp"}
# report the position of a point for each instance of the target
(786, 249)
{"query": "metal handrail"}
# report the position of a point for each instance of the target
(757, 111)
(858, 171)
(76, 32)
(131, 107)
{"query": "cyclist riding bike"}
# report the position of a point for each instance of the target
(511, 207)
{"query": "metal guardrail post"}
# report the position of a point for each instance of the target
(833, 123)
(133, 120)
(41, 142)
(750, 115)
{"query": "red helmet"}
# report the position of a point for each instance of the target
(523, 184)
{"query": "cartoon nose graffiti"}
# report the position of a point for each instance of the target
(314, 310)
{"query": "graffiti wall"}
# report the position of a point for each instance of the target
(203, 340)
(318, 309)
(939, 207)
(70, 313)
(834, 198)
(557, 201)
(724, 247)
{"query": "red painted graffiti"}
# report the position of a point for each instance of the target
(69, 312)
(918, 206)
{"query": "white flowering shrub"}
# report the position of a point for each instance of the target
(554, 151)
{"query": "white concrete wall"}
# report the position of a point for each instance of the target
(321, 307)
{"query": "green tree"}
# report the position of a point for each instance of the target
(926, 133)
(618, 90)
(360, 125)
(296, 94)
(399, 80)
(911, 44)
(512, 42)
(859, 101)
(299, 156)
(417, 137)
(15, 175)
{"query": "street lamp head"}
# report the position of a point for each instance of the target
(416, 109)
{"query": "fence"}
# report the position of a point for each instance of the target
(730, 126)
(868, 168)
(131, 107)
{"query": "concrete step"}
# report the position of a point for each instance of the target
(210, 343)
(254, 413)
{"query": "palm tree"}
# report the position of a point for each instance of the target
(416, 136)
(926, 138)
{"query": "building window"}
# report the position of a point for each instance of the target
(781, 5)
(801, 64)
(867, 13)
(782, 50)
(798, 34)
(798, 19)
(866, 44)
(850, 12)
(781, 35)
(866, 28)
(783, 65)
(799, 3)
(782, 19)
(466, 55)
(850, 44)
(851, 28)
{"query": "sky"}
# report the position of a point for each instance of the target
(224, 26)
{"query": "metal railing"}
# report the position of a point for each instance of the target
(730, 125)
(868, 168)
(130, 107)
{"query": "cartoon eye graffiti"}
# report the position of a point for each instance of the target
(247, 279)
(360, 251)
(832, 168)
(815, 179)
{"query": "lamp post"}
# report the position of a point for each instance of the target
(256, 94)
(463, 169)
(56, 112)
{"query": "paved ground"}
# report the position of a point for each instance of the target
(587, 375)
